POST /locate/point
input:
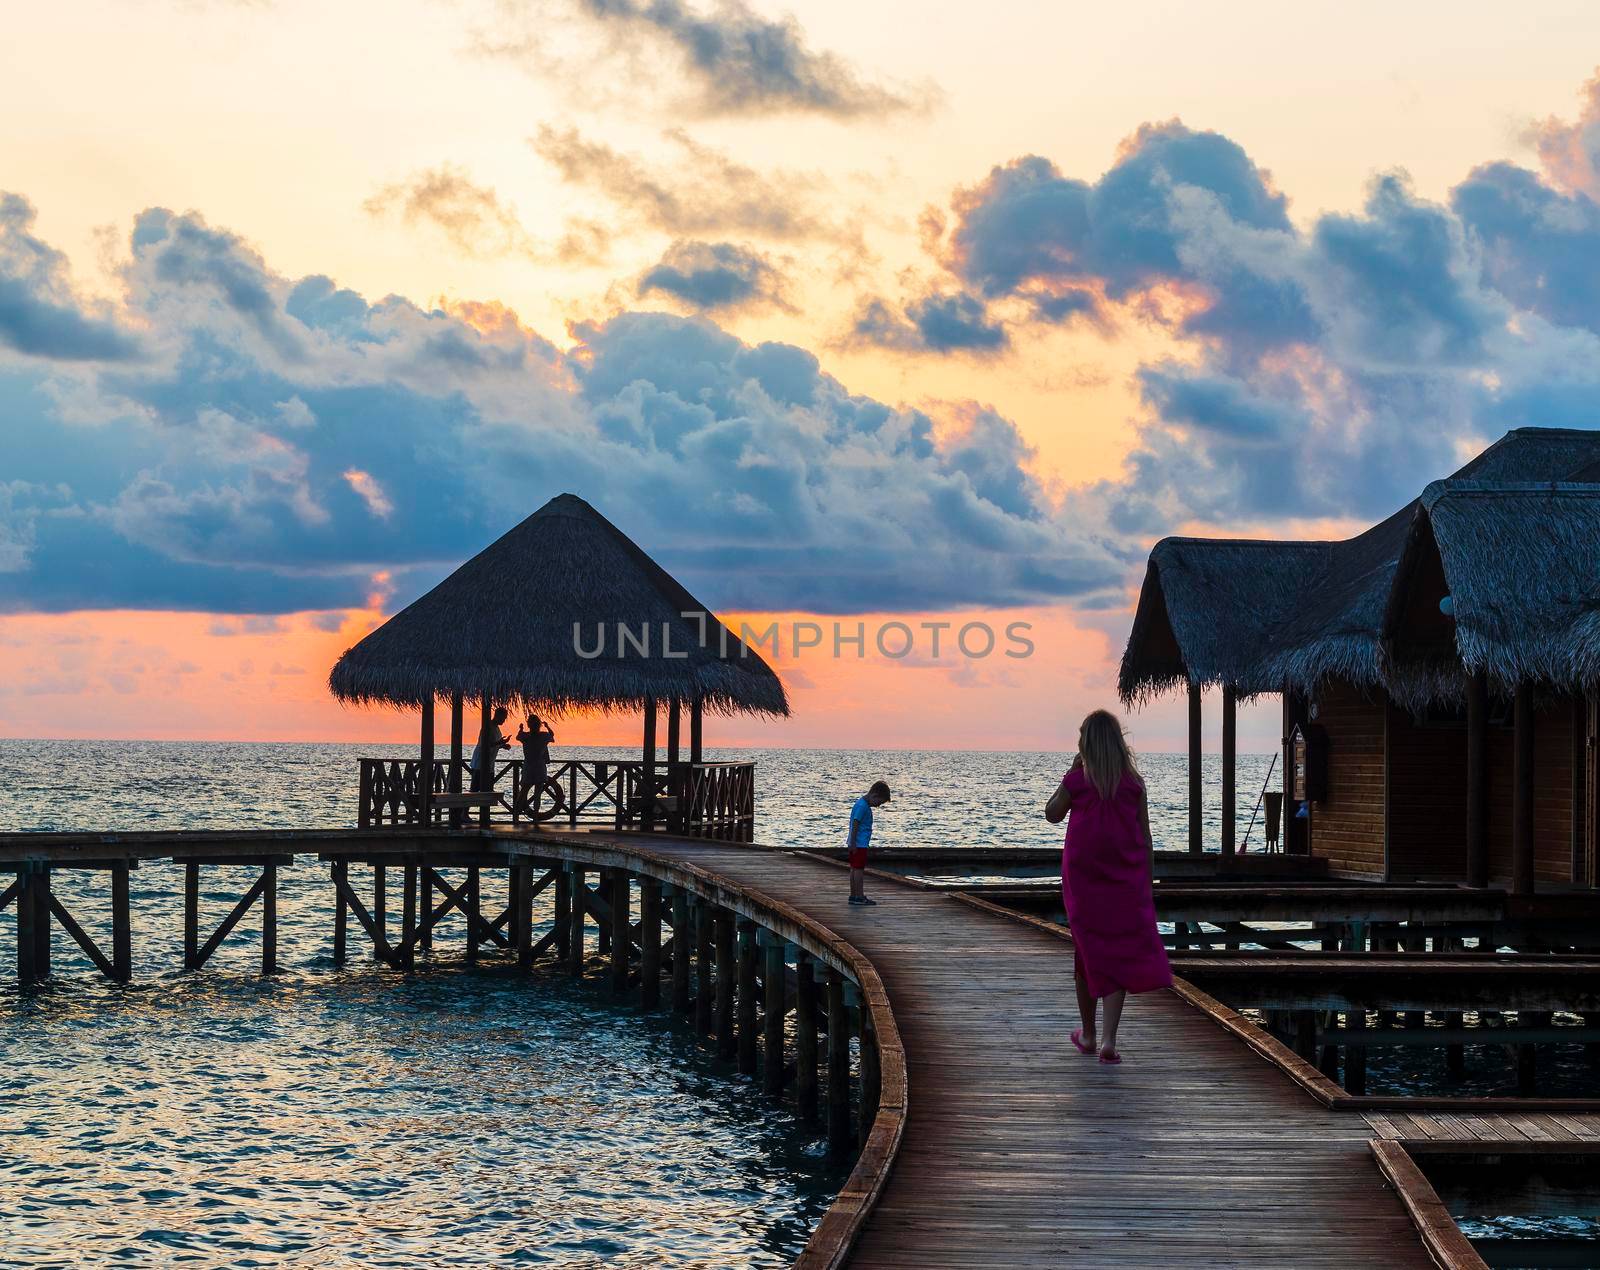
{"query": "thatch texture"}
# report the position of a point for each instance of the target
(1521, 565)
(503, 625)
(1269, 616)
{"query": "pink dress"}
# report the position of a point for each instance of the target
(1105, 886)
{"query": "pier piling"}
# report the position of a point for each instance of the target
(805, 1036)
(650, 943)
(619, 893)
(838, 1063)
(703, 927)
(747, 998)
(726, 971)
(774, 983)
(575, 952)
(682, 942)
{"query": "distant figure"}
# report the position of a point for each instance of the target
(1105, 881)
(860, 839)
(535, 739)
(491, 740)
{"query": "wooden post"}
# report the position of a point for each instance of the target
(621, 929)
(748, 955)
(457, 710)
(602, 888)
(425, 880)
(1478, 780)
(1196, 834)
(575, 950)
(871, 1076)
(408, 911)
(648, 755)
(676, 787)
(563, 910)
(489, 757)
(703, 1012)
(121, 923)
(1230, 732)
(650, 943)
(1355, 1056)
(425, 770)
(805, 1036)
(25, 911)
(696, 721)
(1522, 791)
(682, 942)
(1580, 789)
(1527, 1055)
(269, 919)
(726, 972)
(341, 874)
(474, 911)
(521, 885)
(838, 1063)
(191, 915)
(380, 909)
(775, 992)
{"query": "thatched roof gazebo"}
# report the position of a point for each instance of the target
(563, 613)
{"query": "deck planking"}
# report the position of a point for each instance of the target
(1020, 1151)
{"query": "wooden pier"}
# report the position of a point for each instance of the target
(983, 1137)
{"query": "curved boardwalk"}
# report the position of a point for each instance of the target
(1018, 1151)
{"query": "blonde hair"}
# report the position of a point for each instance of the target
(1105, 753)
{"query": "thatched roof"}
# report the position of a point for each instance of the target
(1265, 616)
(1520, 564)
(503, 624)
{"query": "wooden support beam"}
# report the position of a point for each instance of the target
(727, 972)
(473, 911)
(341, 910)
(427, 880)
(601, 911)
(805, 1036)
(380, 910)
(1527, 1054)
(425, 770)
(522, 915)
(696, 730)
(682, 943)
(269, 920)
(774, 984)
(231, 920)
(703, 929)
(838, 1064)
(1478, 780)
(191, 915)
(1522, 791)
(621, 901)
(380, 941)
(871, 1076)
(81, 938)
(649, 943)
(561, 926)
(648, 756)
(575, 949)
(1196, 771)
(121, 924)
(411, 879)
(1230, 769)
(674, 730)
(457, 713)
(748, 956)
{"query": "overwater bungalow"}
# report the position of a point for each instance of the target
(563, 613)
(1438, 672)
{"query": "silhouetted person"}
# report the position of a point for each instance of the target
(491, 740)
(535, 738)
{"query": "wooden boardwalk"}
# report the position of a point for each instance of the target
(1019, 1151)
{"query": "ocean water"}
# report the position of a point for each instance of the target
(357, 1117)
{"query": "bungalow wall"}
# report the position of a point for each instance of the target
(1348, 830)
(1552, 796)
(1428, 798)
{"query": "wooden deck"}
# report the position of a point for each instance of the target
(1018, 1151)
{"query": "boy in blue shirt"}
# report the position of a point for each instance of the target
(860, 838)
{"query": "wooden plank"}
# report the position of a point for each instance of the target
(1449, 1248)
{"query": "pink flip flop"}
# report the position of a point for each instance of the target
(1111, 1059)
(1077, 1041)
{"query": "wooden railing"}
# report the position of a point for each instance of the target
(702, 800)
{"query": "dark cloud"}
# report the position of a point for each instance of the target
(701, 192)
(938, 322)
(291, 442)
(39, 314)
(732, 60)
(711, 276)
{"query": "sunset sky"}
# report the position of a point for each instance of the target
(882, 311)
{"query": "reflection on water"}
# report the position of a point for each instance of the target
(354, 1117)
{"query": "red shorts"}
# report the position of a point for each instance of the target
(858, 857)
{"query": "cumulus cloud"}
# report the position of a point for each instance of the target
(733, 60)
(39, 313)
(1569, 150)
(939, 322)
(290, 446)
(715, 276)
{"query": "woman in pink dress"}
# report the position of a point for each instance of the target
(1105, 881)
